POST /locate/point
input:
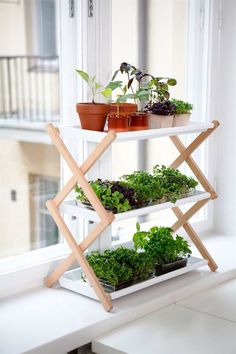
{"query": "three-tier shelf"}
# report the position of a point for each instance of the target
(98, 159)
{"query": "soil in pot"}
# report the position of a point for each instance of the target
(92, 115)
(123, 108)
(118, 122)
(139, 121)
(181, 119)
(157, 121)
(170, 267)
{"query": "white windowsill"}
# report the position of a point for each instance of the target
(56, 321)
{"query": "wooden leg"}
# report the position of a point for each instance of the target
(185, 217)
(60, 270)
(78, 254)
(195, 168)
(67, 263)
(196, 240)
(193, 146)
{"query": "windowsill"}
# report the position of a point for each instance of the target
(56, 321)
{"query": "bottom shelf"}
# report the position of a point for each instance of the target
(72, 280)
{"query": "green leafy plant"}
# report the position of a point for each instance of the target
(182, 107)
(146, 187)
(160, 244)
(160, 88)
(163, 108)
(115, 196)
(173, 182)
(121, 265)
(96, 88)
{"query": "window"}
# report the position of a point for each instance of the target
(29, 98)
(31, 166)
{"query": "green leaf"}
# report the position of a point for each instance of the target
(114, 85)
(97, 85)
(106, 92)
(83, 74)
(137, 226)
(171, 82)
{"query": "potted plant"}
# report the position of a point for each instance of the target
(93, 115)
(120, 268)
(139, 116)
(182, 112)
(168, 252)
(160, 107)
(121, 106)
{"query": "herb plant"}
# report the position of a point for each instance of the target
(114, 195)
(121, 265)
(182, 107)
(160, 244)
(96, 88)
(146, 187)
(173, 182)
(163, 108)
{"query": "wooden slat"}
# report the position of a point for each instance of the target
(185, 217)
(196, 240)
(194, 145)
(78, 254)
(82, 181)
(195, 168)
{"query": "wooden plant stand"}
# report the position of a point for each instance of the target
(100, 214)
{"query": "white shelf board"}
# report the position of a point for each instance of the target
(71, 280)
(89, 135)
(71, 208)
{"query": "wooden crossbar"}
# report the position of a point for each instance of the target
(194, 145)
(182, 219)
(196, 240)
(106, 217)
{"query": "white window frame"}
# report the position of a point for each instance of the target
(25, 271)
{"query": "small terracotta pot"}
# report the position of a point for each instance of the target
(118, 122)
(92, 115)
(181, 119)
(139, 121)
(158, 121)
(123, 108)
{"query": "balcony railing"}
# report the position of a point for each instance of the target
(29, 88)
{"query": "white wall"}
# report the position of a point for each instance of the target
(223, 105)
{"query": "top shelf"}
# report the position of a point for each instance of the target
(93, 136)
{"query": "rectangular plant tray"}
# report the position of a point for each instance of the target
(71, 208)
(72, 280)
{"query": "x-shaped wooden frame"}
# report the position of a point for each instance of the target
(185, 153)
(107, 217)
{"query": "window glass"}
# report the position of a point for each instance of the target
(29, 98)
(153, 36)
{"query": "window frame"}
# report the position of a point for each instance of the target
(19, 273)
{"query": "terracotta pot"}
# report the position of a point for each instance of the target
(124, 108)
(118, 122)
(92, 115)
(181, 119)
(139, 121)
(158, 121)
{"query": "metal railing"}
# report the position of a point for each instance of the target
(29, 88)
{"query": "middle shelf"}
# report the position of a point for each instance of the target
(70, 207)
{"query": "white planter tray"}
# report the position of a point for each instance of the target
(75, 132)
(71, 208)
(72, 280)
